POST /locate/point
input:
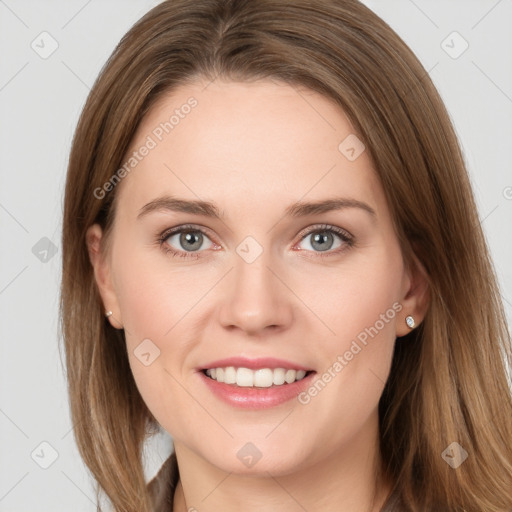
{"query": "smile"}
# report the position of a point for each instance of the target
(258, 378)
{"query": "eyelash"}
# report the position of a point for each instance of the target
(323, 228)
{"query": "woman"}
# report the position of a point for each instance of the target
(268, 203)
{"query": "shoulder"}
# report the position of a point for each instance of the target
(162, 486)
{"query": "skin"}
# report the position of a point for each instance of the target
(289, 303)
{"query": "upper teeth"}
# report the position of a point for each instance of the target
(262, 378)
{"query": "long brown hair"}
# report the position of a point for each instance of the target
(448, 380)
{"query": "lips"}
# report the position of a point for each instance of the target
(255, 383)
(255, 363)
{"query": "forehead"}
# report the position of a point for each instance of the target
(243, 145)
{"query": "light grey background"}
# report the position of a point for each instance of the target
(40, 100)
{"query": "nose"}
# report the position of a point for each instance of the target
(256, 300)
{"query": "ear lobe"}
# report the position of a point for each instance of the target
(102, 275)
(416, 297)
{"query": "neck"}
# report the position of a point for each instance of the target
(348, 479)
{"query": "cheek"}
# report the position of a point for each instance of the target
(361, 308)
(154, 312)
(154, 298)
(360, 294)
(151, 311)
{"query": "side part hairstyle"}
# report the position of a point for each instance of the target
(448, 380)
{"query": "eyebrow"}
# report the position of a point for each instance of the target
(209, 209)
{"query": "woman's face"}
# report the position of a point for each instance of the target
(257, 279)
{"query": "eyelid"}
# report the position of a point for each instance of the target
(302, 234)
(327, 227)
(183, 227)
(347, 238)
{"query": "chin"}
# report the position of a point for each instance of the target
(256, 459)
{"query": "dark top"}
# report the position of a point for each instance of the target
(163, 485)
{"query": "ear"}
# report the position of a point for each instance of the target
(103, 275)
(416, 296)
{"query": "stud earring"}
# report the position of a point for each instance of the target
(108, 313)
(410, 322)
